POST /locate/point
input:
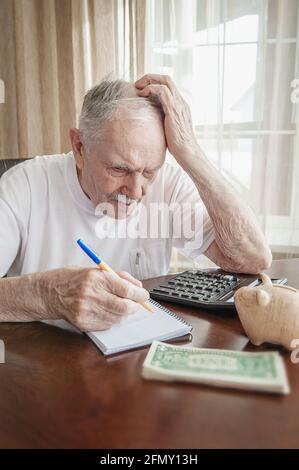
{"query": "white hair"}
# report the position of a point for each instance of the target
(101, 104)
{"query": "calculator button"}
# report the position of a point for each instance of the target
(228, 278)
(163, 291)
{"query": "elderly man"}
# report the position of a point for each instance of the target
(117, 162)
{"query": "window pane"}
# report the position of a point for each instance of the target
(163, 62)
(244, 28)
(260, 168)
(227, 20)
(207, 66)
(275, 167)
(209, 22)
(239, 83)
(237, 89)
(236, 159)
(213, 35)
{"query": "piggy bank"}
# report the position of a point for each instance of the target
(269, 312)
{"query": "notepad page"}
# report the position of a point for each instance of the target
(140, 329)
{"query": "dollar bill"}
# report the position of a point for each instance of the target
(261, 371)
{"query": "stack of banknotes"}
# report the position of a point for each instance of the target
(261, 371)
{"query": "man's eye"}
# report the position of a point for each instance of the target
(148, 174)
(118, 171)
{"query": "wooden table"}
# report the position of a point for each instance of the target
(57, 390)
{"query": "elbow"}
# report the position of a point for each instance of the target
(252, 261)
(261, 263)
(266, 259)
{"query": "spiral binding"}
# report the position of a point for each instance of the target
(172, 314)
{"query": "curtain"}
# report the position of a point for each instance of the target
(51, 53)
(235, 61)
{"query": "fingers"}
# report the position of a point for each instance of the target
(162, 87)
(128, 277)
(115, 305)
(124, 288)
(155, 79)
(161, 92)
(92, 299)
(100, 313)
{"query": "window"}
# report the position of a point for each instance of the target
(234, 62)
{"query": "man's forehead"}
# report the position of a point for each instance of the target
(134, 112)
(123, 122)
(126, 126)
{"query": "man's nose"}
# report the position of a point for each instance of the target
(134, 187)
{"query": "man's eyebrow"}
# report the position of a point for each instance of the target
(126, 167)
(122, 166)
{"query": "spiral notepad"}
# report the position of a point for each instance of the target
(141, 329)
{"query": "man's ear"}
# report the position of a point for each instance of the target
(262, 297)
(76, 142)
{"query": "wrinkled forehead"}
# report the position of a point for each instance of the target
(136, 120)
(128, 135)
(133, 137)
(138, 110)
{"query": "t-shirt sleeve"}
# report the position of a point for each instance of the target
(13, 209)
(192, 228)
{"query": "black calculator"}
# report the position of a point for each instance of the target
(206, 289)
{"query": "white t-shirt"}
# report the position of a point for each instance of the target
(43, 211)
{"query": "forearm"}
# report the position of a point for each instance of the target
(237, 233)
(24, 298)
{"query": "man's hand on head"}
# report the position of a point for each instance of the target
(178, 127)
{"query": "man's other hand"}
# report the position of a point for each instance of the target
(92, 299)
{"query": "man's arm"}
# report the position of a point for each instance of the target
(239, 244)
(88, 298)
(23, 298)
